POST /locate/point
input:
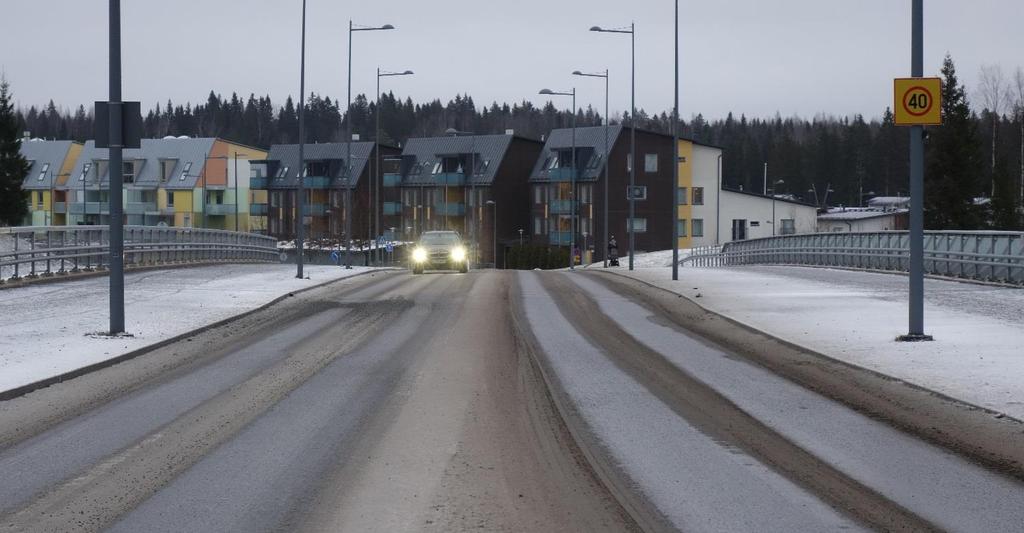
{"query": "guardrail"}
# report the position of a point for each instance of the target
(39, 251)
(994, 256)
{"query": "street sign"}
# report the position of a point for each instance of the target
(636, 192)
(380, 239)
(334, 256)
(917, 101)
(390, 247)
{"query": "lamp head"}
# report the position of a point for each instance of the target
(546, 91)
(577, 73)
(408, 73)
(387, 27)
(596, 28)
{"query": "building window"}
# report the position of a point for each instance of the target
(437, 168)
(697, 227)
(128, 172)
(650, 162)
(184, 171)
(595, 161)
(43, 171)
(538, 225)
(538, 194)
(788, 226)
(639, 225)
(39, 199)
(682, 196)
(698, 196)
(682, 227)
(282, 173)
(166, 169)
(586, 194)
(629, 162)
(482, 169)
(85, 171)
(170, 198)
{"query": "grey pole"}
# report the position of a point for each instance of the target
(572, 190)
(376, 170)
(300, 200)
(675, 160)
(607, 122)
(632, 140)
(494, 232)
(236, 191)
(348, 158)
(916, 331)
(718, 203)
(116, 172)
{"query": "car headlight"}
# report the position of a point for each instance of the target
(459, 254)
(419, 255)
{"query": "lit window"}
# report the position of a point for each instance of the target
(650, 162)
(185, 171)
(697, 227)
(43, 171)
(698, 196)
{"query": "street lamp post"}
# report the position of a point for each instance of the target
(474, 236)
(572, 177)
(607, 122)
(348, 140)
(632, 120)
(675, 157)
(300, 196)
(494, 231)
(377, 158)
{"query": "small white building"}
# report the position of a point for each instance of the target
(862, 219)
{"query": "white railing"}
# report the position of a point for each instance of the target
(41, 251)
(995, 256)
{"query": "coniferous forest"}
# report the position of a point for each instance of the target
(977, 153)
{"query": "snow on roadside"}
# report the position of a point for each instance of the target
(855, 317)
(49, 329)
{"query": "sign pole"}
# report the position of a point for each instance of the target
(115, 172)
(916, 318)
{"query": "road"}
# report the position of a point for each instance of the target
(492, 401)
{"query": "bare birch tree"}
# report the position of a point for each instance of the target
(995, 94)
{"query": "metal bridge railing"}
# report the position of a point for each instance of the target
(994, 256)
(35, 251)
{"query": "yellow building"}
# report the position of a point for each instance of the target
(51, 164)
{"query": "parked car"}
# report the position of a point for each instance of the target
(439, 250)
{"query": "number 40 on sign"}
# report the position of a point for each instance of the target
(918, 101)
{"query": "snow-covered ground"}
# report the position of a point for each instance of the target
(46, 328)
(662, 258)
(977, 354)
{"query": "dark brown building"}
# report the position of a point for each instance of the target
(463, 183)
(553, 199)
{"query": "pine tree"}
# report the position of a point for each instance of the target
(13, 166)
(953, 161)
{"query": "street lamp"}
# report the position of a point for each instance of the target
(494, 231)
(632, 119)
(606, 154)
(377, 158)
(300, 197)
(572, 176)
(348, 140)
(473, 229)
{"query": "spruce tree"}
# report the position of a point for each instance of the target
(13, 166)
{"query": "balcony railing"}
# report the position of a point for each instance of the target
(317, 182)
(561, 174)
(392, 180)
(258, 209)
(562, 207)
(59, 207)
(450, 209)
(258, 183)
(317, 210)
(450, 178)
(220, 209)
(90, 208)
(139, 208)
(559, 238)
(392, 208)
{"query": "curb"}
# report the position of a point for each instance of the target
(816, 353)
(22, 390)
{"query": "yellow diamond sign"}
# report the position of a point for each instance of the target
(918, 102)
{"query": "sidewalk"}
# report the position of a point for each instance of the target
(977, 355)
(47, 328)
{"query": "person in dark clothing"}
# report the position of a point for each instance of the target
(613, 252)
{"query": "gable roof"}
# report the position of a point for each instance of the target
(487, 150)
(590, 142)
(151, 153)
(44, 154)
(287, 155)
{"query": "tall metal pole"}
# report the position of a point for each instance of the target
(300, 201)
(632, 140)
(236, 190)
(607, 155)
(675, 159)
(916, 326)
(376, 164)
(116, 173)
(348, 158)
(718, 204)
(572, 190)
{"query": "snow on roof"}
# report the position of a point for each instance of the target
(858, 213)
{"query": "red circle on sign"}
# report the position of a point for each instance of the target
(909, 92)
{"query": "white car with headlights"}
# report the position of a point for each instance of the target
(439, 250)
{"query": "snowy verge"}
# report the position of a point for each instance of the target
(855, 317)
(50, 330)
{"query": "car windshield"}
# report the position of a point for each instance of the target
(439, 238)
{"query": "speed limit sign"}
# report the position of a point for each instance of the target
(918, 102)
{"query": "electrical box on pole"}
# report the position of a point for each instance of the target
(131, 125)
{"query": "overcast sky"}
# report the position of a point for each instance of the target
(756, 57)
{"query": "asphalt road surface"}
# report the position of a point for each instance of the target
(449, 402)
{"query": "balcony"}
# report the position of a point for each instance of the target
(59, 207)
(562, 207)
(561, 174)
(90, 208)
(392, 180)
(258, 183)
(560, 238)
(139, 208)
(451, 209)
(392, 208)
(317, 210)
(220, 209)
(450, 178)
(258, 209)
(317, 182)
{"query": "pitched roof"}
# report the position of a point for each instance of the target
(287, 155)
(44, 154)
(486, 150)
(590, 143)
(152, 152)
(859, 213)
